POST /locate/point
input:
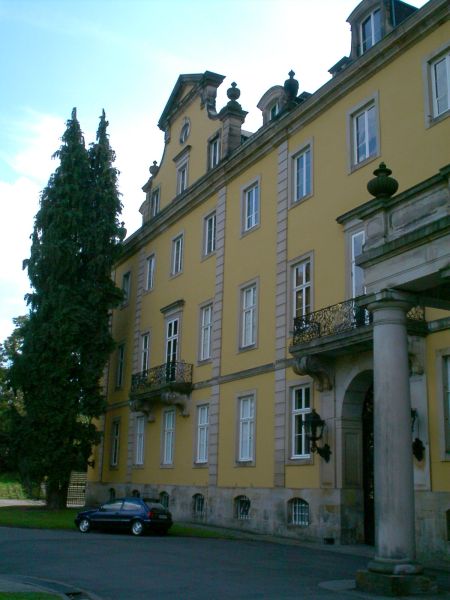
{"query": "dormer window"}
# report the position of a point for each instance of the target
(154, 203)
(274, 110)
(214, 152)
(370, 31)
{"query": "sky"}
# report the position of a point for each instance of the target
(125, 56)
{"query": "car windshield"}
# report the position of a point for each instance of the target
(117, 505)
(157, 505)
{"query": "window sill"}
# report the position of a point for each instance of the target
(175, 275)
(209, 255)
(204, 362)
(139, 467)
(247, 348)
(245, 463)
(356, 166)
(201, 465)
(307, 460)
(246, 232)
(294, 203)
(436, 120)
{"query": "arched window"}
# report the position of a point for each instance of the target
(198, 505)
(242, 508)
(136, 493)
(298, 510)
(164, 499)
(112, 494)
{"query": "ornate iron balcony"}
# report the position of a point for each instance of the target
(339, 318)
(171, 375)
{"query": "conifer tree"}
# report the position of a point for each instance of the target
(66, 340)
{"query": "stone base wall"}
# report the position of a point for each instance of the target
(335, 516)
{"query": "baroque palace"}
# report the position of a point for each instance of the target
(283, 347)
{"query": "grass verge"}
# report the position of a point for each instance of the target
(39, 517)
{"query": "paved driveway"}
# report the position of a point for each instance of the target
(121, 567)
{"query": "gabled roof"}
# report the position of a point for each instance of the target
(198, 81)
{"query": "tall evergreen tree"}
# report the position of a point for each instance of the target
(66, 340)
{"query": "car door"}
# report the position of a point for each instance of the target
(108, 515)
(130, 510)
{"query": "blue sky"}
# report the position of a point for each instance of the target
(125, 56)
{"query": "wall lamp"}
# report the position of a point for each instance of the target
(417, 446)
(314, 427)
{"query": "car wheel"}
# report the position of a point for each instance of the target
(84, 525)
(137, 528)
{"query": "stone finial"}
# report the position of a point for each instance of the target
(233, 92)
(154, 168)
(291, 86)
(382, 185)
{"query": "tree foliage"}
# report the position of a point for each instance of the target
(66, 341)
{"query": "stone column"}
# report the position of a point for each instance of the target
(394, 568)
(393, 460)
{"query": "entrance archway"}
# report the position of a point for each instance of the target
(357, 514)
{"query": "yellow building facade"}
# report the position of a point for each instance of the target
(255, 290)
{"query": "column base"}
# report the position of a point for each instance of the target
(388, 584)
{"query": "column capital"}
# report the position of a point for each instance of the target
(389, 298)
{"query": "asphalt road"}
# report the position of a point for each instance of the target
(122, 567)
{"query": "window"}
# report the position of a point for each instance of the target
(214, 152)
(185, 131)
(202, 433)
(182, 177)
(365, 142)
(274, 110)
(298, 512)
(300, 407)
(205, 332)
(301, 288)
(177, 255)
(145, 351)
(120, 365)
(357, 273)
(140, 427)
(209, 234)
(154, 203)
(132, 504)
(246, 428)
(370, 31)
(115, 439)
(242, 508)
(440, 84)
(248, 316)
(164, 499)
(168, 436)
(198, 505)
(446, 382)
(150, 272)
(302, 174)
(251, 207)
(172, 333)
(126, 286)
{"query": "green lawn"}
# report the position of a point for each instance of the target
(26, 596)
(41, 518)
(10, 487)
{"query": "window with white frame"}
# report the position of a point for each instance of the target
(440, 84)
(120, 365)
(302, 174)
(298, 512)
(274, 110)
(214, 152)
(446, 388)
(145, 352)
(242, 508)
(202, 433)
(182, 177)
(177, 255)
(246, 428)
(209, 234)
(365, 133)
(126, 286)
(154, 203)
(140, 429)
(300, 407)
(357, 273)
(115, 440)
(301, 288)
(370, 31)
(248, 315)
(205, 332)
(150, 271)
(164, 498)
(251, 207)
(168, 436)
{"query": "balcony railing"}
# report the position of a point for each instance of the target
(339, 318)
(172, 375)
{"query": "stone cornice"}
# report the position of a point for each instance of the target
(411, 31)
